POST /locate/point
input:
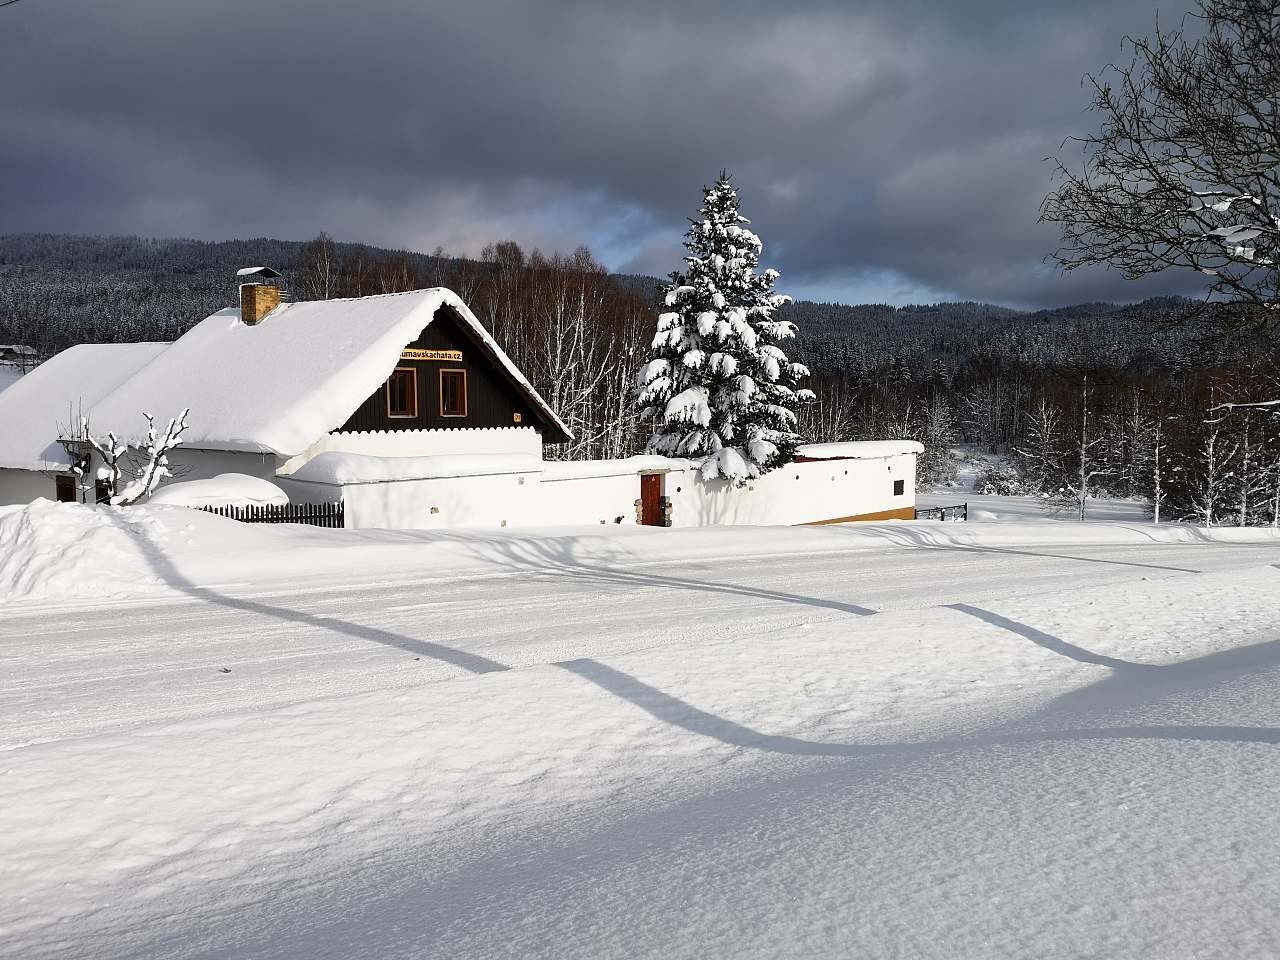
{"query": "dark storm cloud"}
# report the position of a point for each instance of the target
(891, 148)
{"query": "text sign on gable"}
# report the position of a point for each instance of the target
(414, 353)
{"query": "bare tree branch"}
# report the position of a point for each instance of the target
(1184, 173)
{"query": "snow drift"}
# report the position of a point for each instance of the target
(224, 490)
(58, 550)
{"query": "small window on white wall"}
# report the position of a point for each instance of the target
(899, 487)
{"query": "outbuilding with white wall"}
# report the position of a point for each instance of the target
(829, 483)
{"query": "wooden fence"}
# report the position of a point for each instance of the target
(313, 514)
(959, 511)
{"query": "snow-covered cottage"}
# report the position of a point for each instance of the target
(18, 354)
(46, 404)
(402, 407)
(270, 385)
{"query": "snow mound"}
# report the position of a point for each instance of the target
(63, 550)
(224, 490)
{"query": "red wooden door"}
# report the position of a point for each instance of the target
(651, 499)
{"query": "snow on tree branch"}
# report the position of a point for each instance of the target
(145, 470)
(153, 467)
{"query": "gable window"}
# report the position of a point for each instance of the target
(453, 393)
(65, 489)
(402, 392)
(899, 487)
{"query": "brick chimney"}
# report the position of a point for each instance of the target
(257, 299)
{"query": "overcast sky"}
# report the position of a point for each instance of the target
(885, 151)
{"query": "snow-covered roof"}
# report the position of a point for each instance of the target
(284, 383)
(335, 467)
(48, 401)
(859, 449)
(586, 469)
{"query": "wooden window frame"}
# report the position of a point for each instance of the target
(413, 393)
(465, 404)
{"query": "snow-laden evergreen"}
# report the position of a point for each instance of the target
(718, 385)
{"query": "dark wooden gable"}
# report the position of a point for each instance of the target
(494, 397)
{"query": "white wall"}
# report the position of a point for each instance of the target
(23, 486)
(588, 500)
(800, 493)
(495, 500)
(191, 464)
(797, 493)
(423, 443)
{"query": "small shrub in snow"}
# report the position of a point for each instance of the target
(718, 385)
(999, 480)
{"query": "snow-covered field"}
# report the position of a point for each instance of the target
(1031, 739)
(986, 509)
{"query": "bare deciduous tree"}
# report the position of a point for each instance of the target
(318, 269)
(1184, 173)
(145, 467)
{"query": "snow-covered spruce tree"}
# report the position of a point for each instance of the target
(719, 386)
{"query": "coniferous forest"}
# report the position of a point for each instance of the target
(1083, 401)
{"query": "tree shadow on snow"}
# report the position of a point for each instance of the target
(678, 713)
(555, 557)
(931, 539)
(164, 568)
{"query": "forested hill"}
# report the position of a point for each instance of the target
(58, 290)
(924, 340)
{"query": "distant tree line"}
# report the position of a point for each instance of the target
(1086, 401)
(1094, 402)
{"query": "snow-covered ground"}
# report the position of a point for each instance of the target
(985, 508)
(969, 461)
(1031, 739)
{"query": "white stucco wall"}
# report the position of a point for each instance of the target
(608, 500)
(798, 493)
(496, 500)
(23, 486)
(191, 464)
